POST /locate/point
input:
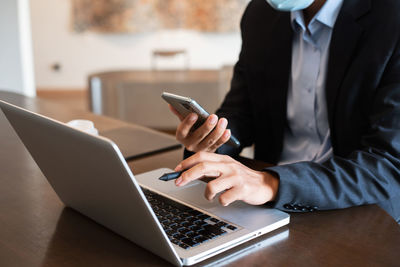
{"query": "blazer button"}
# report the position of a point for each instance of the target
(288, 206)
(297, 207)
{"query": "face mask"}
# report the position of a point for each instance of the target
(290, 5)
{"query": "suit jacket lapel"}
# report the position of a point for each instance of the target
(278, 62)
(345, 37)
(282, 56)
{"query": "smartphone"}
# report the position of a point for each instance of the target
(186, 105)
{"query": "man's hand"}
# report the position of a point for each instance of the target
(208, 137)
(238, 181)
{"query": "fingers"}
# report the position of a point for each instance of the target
(234, 180)
(208, 137)
(224, 138)
(230, 196)
(198, 171)
(183, 129)
(215, 138)
(204, 130)
(224, 182)
(202, 157)
(181, 118)
(218, 185)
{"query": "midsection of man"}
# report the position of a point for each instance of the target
(356, 104)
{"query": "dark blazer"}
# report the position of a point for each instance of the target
(363, 98)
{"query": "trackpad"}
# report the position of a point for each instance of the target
(194, 194)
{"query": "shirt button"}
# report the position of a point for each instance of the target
(309, 90)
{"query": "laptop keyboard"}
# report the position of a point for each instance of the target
(184, 226)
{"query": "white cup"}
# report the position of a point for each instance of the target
(84, 125)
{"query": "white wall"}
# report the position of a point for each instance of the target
(16, 67)
(82, 54)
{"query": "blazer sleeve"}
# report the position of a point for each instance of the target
(367, 176)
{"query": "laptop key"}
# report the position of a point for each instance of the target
(200, 222)
(231, 227)
(214, 230)
(175, 226)
(176, 219)
(170, 232)
(189, 242)
(192, 234)
(221, 224)
(200, 239)
(175, 241)
(185, 223)
(195, 227)
(166, 221)
(185, 215)
(214, 220)
(163, 213)
(202, 216)
(184, 231)
(195, 212)
(169, 208)
(206, 234)
(179, 236)
(183, 245)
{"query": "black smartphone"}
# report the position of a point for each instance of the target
(186, 105)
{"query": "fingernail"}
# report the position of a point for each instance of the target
(193, 117)
(178, 181)
(223, 123)
(213, 120)
(227, 133)
(178, 168)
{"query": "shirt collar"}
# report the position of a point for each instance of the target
(327, 15)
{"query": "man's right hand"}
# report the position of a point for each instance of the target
(208, 137)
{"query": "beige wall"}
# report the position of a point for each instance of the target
(81, 54)
(16, 67)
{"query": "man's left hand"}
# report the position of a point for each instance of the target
(238, 181)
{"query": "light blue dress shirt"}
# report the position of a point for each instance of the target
(307, 137)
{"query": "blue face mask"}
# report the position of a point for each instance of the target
(290, 5)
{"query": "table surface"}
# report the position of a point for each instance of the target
(36, 229)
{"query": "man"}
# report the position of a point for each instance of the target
(317, 91)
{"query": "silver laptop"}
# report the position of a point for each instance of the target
(90, 175)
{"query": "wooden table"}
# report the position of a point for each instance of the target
(37, 230)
